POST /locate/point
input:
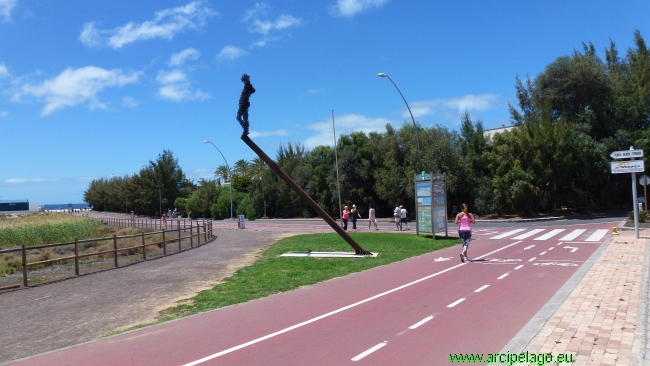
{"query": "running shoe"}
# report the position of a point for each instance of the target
(462, 258)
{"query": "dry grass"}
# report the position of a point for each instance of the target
(45, 228)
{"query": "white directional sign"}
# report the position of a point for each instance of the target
(630, 166)
(441, 259)
(573, 249)
(627, 154)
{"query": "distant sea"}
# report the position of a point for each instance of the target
(64, 206)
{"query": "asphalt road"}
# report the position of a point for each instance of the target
(415, 312)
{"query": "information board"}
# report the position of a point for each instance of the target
(423, 207)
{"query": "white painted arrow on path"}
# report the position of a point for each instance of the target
(441, 259)
(573, 249)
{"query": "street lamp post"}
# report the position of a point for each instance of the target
(336, 159)
(227, 167)
(159, 192)
(384, 75)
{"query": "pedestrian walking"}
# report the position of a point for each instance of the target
(402, 213)
(354, 216)
(465, 219)
(397, 215)
(372, 217)
(345, 217)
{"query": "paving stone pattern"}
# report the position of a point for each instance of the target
(598, 322)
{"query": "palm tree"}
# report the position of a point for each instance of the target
(257, 166)
(242, 167)
(222, 173)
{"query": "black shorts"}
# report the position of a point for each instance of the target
(403, 219)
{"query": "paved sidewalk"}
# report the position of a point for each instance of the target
(604, 319)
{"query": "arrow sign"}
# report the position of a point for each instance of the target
(627, 154)
(630, 166)
(573, 249)
(441, 259)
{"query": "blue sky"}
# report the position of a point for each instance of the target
(94, 88)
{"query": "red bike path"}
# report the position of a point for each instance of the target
(414, 312)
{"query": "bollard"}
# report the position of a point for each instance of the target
(614, 230)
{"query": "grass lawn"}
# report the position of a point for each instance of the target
(272, 274)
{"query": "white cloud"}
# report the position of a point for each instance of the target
(254, 134)
(75, 86)
(177, 59)
(317, 91)
(349, 8)
(3, 70)
(346, 124)
(229, 53)
(6, 6)
(4, 113)
(33, 180)
(166, 24)
(176, 87)
(130, 102)
(258, 23)
(469, 102)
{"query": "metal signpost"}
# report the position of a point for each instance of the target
(630, 166)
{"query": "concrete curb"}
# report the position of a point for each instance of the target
(640, 348)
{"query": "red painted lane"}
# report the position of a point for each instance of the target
(484, 322)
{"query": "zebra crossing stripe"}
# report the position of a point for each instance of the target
(513, 232)
(550, 234)
(572, 235)
(597, 235)
(529, 234)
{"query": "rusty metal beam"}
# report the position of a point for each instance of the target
(305, 197)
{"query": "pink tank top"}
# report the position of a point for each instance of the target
(465, 223)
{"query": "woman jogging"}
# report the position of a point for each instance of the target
(465, 229)
(345, 217)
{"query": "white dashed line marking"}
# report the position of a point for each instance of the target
(519, 266)
(502, 276)
(366, 353)
(532, 259)
(481, 288)
(421, 322)
(456, 303)
(528, 247)
(542, 253)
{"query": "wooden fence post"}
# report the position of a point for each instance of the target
(144, 248)
(178, 228)
(205, 233)
(191, 236)
(115, 249)
(25, 266)
(164, 244)
(76, 257)
(198, 234)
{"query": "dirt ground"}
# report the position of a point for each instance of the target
(61, 314)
